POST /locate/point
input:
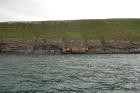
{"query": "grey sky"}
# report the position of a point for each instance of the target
(17, 10)
(11, 10)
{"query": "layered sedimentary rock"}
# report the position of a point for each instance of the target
(65, 46)
(71, 36)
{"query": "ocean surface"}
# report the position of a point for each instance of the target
(102, 73)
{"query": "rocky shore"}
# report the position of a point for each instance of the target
(67, 46)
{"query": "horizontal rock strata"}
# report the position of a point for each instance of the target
(63, 46)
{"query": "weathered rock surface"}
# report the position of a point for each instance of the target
(60, 46)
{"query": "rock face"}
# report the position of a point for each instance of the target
(63, 46)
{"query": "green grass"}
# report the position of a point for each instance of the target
(81, 29)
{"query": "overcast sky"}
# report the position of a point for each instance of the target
(17, 10)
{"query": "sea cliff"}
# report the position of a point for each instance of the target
(75, 36)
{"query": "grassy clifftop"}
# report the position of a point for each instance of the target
(81, 29)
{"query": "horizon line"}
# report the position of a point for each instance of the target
(12, 21)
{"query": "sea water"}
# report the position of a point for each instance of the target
(102, 73)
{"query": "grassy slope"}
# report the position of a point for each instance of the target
(105, 28)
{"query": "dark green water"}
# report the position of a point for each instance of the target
(70, 73)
